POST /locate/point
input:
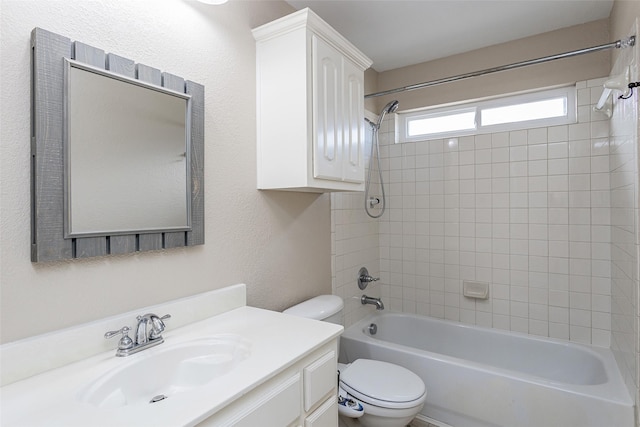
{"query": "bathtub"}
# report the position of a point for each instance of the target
(480, 377)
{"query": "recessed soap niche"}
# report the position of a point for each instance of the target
(117, 154)
(476, 290)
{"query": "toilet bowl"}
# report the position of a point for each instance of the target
(391, 396)
(371, 393)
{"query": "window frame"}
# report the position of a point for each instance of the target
(403, 119)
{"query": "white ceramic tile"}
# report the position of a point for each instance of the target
(483, 141)
(518, 153)
(558, 183)
(538, 327)
(519, 324)
(558, 150)
(500, 139)
(600, 129)
(558, 134)
(537, 167)
(584, 96)
(579, 165)
(580, 334)
(518, 169)
(558, 203)
(580, 131)
(558, 166)
(600, 146)
(518, 137)
(537, 136)
(600, 164)
(580, 182)
(601, 338)
(500, 154)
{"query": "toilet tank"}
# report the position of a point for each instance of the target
(327, 308)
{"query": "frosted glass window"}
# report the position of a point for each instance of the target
(442, 123)
(549, 107)
(538, 110)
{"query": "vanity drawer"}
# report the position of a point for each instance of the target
(280, 406)
(325, 416)
(319, 379)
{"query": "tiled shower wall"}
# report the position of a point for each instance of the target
(354, 244)
(526, 211)
(624, 229)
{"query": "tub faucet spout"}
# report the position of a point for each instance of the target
(374, 301)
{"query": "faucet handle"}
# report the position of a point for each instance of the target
(364, 279)
(157, 325)
(125, 342)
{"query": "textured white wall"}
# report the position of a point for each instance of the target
(277, 243)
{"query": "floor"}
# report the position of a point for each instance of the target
(418, 423)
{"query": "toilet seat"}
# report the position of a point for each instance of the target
(383, 384)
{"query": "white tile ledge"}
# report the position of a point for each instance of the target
(34, 355)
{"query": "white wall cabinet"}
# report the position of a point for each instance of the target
(303, 395)
(310, 106)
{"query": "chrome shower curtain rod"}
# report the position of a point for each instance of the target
(617, 44)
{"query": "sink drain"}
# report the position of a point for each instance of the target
(158, 398)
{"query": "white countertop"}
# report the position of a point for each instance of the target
(277, 341)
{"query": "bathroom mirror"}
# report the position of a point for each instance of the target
(126, 155)
(117, 154)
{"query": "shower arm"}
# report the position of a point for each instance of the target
(623, 43)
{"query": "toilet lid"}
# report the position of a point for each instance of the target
(383, 384)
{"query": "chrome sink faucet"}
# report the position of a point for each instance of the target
(148, 334)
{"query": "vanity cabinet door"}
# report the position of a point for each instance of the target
(338, 115)
(327, 111)
(353, 122)
(320, 378)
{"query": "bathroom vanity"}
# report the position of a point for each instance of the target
(222, 364)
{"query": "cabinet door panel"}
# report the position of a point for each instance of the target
(319, 378)
(327, 113)
(353, 123)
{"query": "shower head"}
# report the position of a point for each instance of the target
(391, 107)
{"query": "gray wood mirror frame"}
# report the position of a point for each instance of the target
(61, 175)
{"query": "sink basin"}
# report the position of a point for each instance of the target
(166, 371)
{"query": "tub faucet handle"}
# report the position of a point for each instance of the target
(364, 279)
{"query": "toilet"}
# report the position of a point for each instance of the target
(371, 393)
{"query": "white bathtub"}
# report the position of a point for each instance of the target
(479, 377)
